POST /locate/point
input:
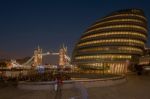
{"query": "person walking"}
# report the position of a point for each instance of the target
(58, 85)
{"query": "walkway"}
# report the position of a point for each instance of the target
(137, 87)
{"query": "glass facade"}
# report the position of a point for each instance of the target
(145, 59)
(113, 42)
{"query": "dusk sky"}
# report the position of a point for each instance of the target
(25, 25)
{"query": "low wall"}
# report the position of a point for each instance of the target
(73, 83)
(102, 82)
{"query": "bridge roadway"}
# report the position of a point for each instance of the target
(137, 87)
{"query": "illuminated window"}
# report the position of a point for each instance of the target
(118, 20)
(118, 26)
(125, 15)
(112, 41)
(127, 49)
(106, 56)
(114, 33)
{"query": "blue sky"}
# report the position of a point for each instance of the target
(26, 24)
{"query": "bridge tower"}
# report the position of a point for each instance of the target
(62, 55)
(37, 57)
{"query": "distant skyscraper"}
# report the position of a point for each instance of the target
(113, 42)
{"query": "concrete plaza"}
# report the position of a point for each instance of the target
(136, 87)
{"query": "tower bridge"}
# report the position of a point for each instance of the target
(37, 58)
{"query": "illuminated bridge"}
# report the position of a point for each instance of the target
(36, 59)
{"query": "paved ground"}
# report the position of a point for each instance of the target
(14, 93)
(137, 87)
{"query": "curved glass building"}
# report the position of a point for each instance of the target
(113, 42)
